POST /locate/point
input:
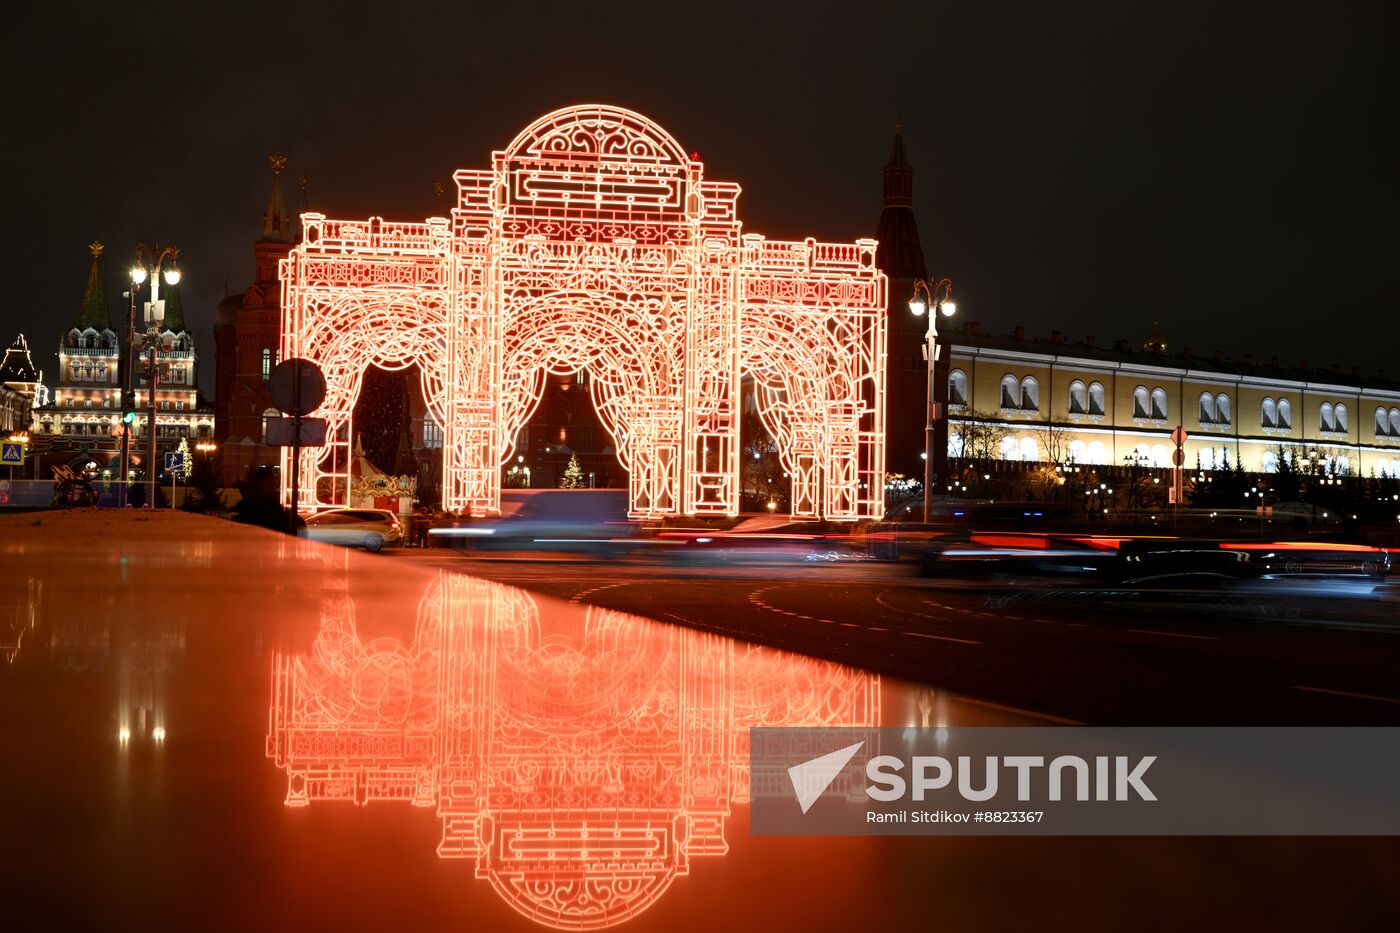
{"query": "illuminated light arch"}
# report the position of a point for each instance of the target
(594, 242)
(581, 762)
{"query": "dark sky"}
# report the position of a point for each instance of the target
(1230, 168)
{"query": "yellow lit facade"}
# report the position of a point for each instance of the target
(1120, 406)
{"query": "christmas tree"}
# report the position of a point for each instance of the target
(186, 466)
(573, 474)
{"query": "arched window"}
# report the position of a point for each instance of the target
(1010, 397)
(1222, 409)
(1324, 417)
(1285, 414)
(1267, 414)
(1159, 456)
(1207, 408)
(1141, 403)
(1097, 453)
(269, 416)
(1077, 452)
(1382, 424)
(266, 363)
(956, 445)
(1270, 462)
(1030, 394)
(957, 387)
(1029, 453)
(1339, 417)
(1078, 398)
(1207, 458)
(1159, 404)
(1342, 465)
(1009, 449)
(1096, 398)
(1395, 422)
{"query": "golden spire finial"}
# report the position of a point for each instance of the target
(277, 160)
(96, 248)
(438, 188)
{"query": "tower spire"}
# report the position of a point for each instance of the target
(899, 255)
(275, 220)
(94, 311)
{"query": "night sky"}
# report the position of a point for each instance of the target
(1229, 168)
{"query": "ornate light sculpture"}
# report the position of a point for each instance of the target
(581, 765)
(595, 243)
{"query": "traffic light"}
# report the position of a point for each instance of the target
(128, 408)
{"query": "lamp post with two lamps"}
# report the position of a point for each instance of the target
(931, 299)
(149, 265)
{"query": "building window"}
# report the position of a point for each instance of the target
(1096, 398)
(957, 387)
(266, 363)
(1222, 409)
(1207, 408)
(179, 406)
(1029, 452)
(268, 416)
(1159, 404)
(1285, 414)
(1009, 448)
(1140, 402)
(1098, 454)
(1339, 418)
(1078, 398)
(1077, 451)
(432, 432)
(1387, 426)
(1030, 394)
(1010, 396)
(1268, 414)
(1324, 417)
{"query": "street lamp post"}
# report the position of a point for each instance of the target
(931, 299)
(148, 265)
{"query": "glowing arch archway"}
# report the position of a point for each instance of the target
(594, 242)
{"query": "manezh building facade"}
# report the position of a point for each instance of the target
(1116, 404)
(1120, 404)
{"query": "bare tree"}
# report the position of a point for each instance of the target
(979, 434)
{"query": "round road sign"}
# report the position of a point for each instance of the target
(297, 387)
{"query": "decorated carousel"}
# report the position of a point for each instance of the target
(372, 488)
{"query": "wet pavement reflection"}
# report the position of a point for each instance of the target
(205, 726)
(581, 759)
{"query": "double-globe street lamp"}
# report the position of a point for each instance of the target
(149, 266)
(931, 299)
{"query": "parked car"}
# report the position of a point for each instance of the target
(370, 529)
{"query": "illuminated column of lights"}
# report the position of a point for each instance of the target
(594, 243)
(535, 749)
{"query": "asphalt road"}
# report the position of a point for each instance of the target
(1080, 656)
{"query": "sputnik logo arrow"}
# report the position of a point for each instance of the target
(811, 778)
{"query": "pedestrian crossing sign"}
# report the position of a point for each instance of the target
(11, 453)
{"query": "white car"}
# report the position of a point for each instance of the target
(370, 529)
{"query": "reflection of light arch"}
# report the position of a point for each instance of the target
(595, 242)
(581, 758)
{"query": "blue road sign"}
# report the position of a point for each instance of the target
(11, 453)
(174, 461)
